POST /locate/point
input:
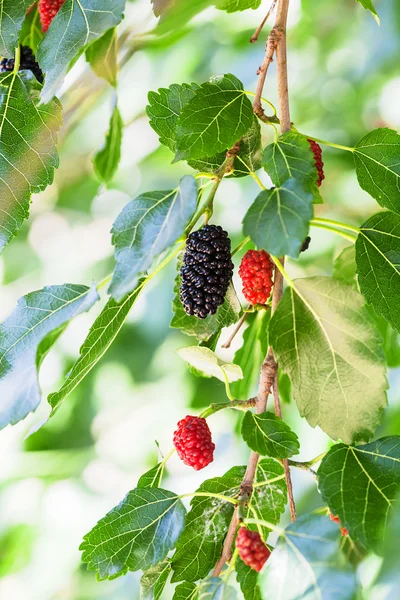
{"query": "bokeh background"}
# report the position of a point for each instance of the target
(55, 484)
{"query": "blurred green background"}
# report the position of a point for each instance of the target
(54, 485)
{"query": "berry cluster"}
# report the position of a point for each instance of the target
(252, 550)
(27, 63)
(206, 272)
(256, 271)
(47, 11)
(317, 151)
(193, 442)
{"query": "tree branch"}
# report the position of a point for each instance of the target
(257, 32)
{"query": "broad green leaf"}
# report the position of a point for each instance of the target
(387, 584)
(307, 563)
(369, 6)
(106, 161)
(269, 499)
(291, 157)
(208, 363)
(164, 109)
(100, 337)
(360, 484)
(152, 478)
(217, 117)
(147, 226)
(36, 316)
(153, 580)
(136, 534)
(378, 264)
(177, 13)
(268, 435)
(214, 588)
(377, 160)
(345, 266)
(12, 15)
(31, 32)
(278, 219)
(185, 591)
(77, 24)
(28, 136)
(102, 56)
(323, 338)
(235, 5)
(248, 581)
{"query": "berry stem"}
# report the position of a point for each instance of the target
(338, 146)
(343, 234)
(209, 495)
(241, 245)
(235, 331)
(335, 224)
(17, 58)
(239, 404)
(281, 269)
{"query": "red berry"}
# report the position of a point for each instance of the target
(252, 550)
(317, 151)
(256, 271)
(193, 442)
(47, 11)
(343, 530)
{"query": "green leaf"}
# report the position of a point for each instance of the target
(164, 109)
(28, 136)
(248, 581)
(269, 500)
(207, 362)
(307, 563)
(291, 157)
(36, 316)
(377, 160)
(31, 32)
(152, 478)
(268, 435)
(185, 591)
(369, 6)
(153, 580)
(102, 56)
(100, 337)
(278, 219)
(76, 25)
(345, 266)
(234, 5)
(136, 534)
(360, 484)
(323, 338)
(252, 352)
(147, 226)
(106, 161)
(217, 117)
(214, 588)
(378, 264)
(12, 15)
(387, 585)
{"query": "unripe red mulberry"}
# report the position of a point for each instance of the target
(47, 11)
(256, 271)
(343, 530)
(252, 550)
(317, 151)
(193, 442)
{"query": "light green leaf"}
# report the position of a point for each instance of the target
(24, 341)
(207, 362)
(147, 226)
(377, 160)
(106, 161)
(323, 338)
(214, 588)
(12, 15)
(378, 264)
(102, 55)
(278, 219)
(28, 136)
(268, 435)
(153, 580)
(136, 534)
(31, 32)
(360, 484)
(234, 5)
(369, 6)
(345, 266)
(185, 591)
(152, 478)
(387, 585)
(100, 337)
(217, 117)
(307, 562)
(77, 24)
(248, 581)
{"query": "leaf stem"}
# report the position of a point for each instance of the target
(17, 60)
(335, 224)
(257, 180)
(209, 495)
(343, 234)
(268, 481)
(267, 524)
(231, 567)
(239, 404)
(339, 146)
(272, 107)
(281, 269)
(227, 386)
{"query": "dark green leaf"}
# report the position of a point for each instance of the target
(36, 316)
(12, 15)
(323, 338)
(387, 585)
(31, 32)
(28, 137)
(147, 226)
(185, 591)
(369, 6)
(377, 160)
(152, 478)
(235, 5)
(345, 266)
(76, 25)
(136, 534)
(278, 219)
(101, 335)
(102, 56)
(153, 580)
(214, 588)
(268, 435)
(360, 484)
(217, 117)
(307, 563)
(378, 264)
(248, 581)
(107, 160)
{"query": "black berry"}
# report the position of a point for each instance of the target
(27, 63)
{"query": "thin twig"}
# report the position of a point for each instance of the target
(235, 331)
(257, 32)
(270, 47)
